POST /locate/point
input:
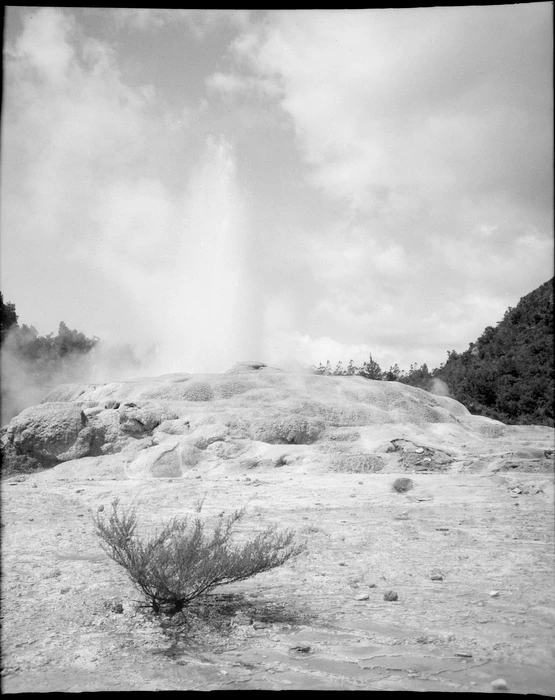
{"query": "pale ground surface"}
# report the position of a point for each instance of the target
(61, 631)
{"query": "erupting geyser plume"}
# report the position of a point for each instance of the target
(189, 273)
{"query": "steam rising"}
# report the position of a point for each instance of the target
(186, 269)
(26, 382)
(439, 387)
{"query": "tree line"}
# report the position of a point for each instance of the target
(507, 374)
(32, 364)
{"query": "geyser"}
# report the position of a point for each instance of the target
(195, 293)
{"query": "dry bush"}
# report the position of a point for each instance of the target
(402, 484)
(183, 561)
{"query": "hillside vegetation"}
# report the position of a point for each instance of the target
(507, 374)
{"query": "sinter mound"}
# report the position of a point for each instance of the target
(256, 417)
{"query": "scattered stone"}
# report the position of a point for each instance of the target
(342, 563)
(362, 596)
(390, 596)
(516, 490)
(402, 484)
(301, 649)
(100, 509)
(499, 684)
(372, 585)
(436, 575)
(242, 618)
(494, 594)
(259, 625)
(64, 590)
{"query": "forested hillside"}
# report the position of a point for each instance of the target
(507, 373)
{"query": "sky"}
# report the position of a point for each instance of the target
(280, 186)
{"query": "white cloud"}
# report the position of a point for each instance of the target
(421, 142)
(201, 22)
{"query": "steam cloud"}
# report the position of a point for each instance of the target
(185, 266)
(26, 382)
(439, 387)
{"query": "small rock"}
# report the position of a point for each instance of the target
(499, 684)
(100, 509)
(35, 486)
(516, 490)
(242, 618)
(259, 625)
(494, 594)
(464, 654)
(390, 596)
(342, 563)
(436, 575)
(372, 585)
(64, 590)
(362, 596)
(301, 649)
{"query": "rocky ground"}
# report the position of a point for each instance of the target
(468, 550)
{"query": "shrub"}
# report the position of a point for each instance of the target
(402, 484)
(183, 561)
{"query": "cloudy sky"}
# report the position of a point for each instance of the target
(275, 185)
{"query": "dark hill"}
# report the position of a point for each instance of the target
(507, 374)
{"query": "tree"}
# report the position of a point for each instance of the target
(393, 373)
(8, 318)
(370, 369)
